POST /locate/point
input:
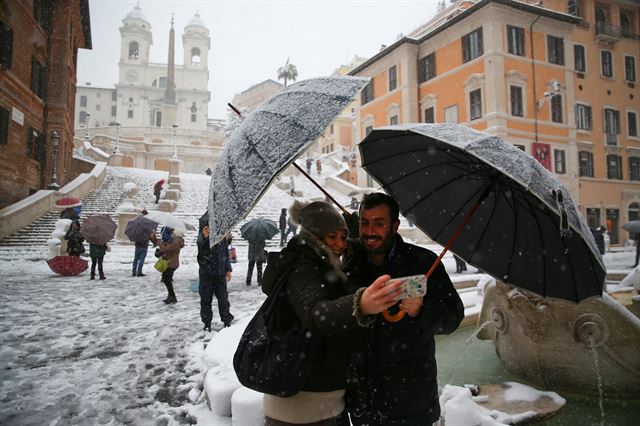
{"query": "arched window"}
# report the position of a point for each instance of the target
(195, 56)
(625, 23)
(134, 50)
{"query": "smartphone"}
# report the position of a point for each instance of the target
(412, 286)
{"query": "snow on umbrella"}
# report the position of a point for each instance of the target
(259, 229)
(526, 230)
(170, 221)
(632, 227)
(67, 265)
(98, 229)
(67, 202)
(268, 140)
(139, 229)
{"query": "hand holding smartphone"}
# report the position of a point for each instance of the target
(412, 286)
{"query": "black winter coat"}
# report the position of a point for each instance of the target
(393, 378)
(316, 296)
(214, 261)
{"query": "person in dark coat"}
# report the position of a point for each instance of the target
(157, 189)
(308, 163)
(637, 244)
(393, 375)
(97, 252)
(214, 273)
(170, 246)
(283, 227)
(75, 240)
(461, 265)
(316, 297)
(598, 236)
(292, 228)
(140, 253)
(257, 256)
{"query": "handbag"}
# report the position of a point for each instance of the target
(233, 255)
(161, 265)
(272, 360)
(158, 252)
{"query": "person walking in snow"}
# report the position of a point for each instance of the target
(318, 166)
(283, 227)
(157, 189)
(317, 298)
(214, 272)
(97, 252)
(292, 228)
(170, 245)
(140, 253)
(308, 163)
(461, 266)
(257, 256)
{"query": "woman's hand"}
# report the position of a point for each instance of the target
(412, 306)
(379, 296)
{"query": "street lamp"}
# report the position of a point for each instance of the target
(117, 150)
(55, 140)
(86, 135)
(175, 148)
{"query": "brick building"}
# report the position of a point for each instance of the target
(39, 42)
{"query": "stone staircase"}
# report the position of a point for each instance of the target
(31, 241)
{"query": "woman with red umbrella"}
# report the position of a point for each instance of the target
(157, 188)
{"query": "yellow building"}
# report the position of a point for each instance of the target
(557, 80)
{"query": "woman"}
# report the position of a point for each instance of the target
(170, 246)
(316, 297)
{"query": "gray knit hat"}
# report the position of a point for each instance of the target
(319, 218)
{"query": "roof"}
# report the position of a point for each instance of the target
(196, 21)
(461, 15)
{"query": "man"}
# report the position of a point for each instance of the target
(394, 374)
(214, 273)
(283, 227)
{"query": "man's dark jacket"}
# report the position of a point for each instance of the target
(394, 376)
(214, 261)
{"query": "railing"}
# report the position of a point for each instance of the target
(607, 29)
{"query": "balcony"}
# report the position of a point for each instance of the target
(607, 32)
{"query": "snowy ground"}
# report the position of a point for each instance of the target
(80, 352)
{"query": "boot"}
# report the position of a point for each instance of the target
(102, 277)
(207, 326)
(93, 277)
(248, 281)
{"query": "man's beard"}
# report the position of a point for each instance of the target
(387, 243)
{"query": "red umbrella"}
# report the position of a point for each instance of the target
(64, 203)
(67, 265)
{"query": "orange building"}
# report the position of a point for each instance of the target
(557, 80)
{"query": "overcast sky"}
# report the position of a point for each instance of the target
(251, 39)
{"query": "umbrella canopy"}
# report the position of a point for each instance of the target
(268, 140)
(65, 203)
(139, 229)
(170, 221)
(98, 229)
(259, 229)
(525, 231)
(633, 227)
(67, 265)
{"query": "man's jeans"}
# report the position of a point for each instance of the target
(138, 259)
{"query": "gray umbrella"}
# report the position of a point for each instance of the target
(632, 227)
(268, 140)
(525, 230)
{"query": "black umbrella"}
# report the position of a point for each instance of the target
(259, 229)
(632, 227)
(139, 229)
(494, 205)
(268, 140)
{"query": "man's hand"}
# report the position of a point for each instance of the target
(412, 306)
(379, 296)
(228, 276)
(205, 231)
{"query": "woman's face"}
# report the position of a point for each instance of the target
(336, 241)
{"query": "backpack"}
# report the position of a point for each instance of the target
(272, 360)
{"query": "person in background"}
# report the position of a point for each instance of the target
(317, 298)
(140, 254)
(637, 244)
(393, 375)
(461, 266)
(599, 239)
(97, 252)
(283, 227)
(308, 163)
(292, 228)
(318, 166)
(170, 245)
(208, 171)
(214, 272)
(75, 240)
(257, 256)
(157, 189)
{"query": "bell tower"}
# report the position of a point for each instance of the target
(136, 39)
